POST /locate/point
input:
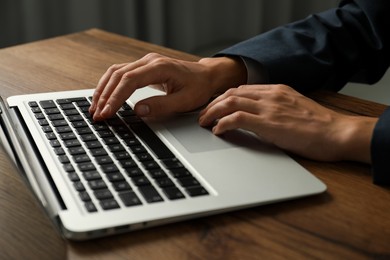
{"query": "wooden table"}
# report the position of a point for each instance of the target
(350, 221)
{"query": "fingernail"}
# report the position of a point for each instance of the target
(143, 110)
(96, 115)
(106, 110)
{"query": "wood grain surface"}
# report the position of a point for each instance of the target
(350, 221)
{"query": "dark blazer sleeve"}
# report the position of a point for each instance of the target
(327, 50)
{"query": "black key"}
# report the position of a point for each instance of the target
(59, 151)
(109, 204)
(77, 124)
(73, 176)
(71, 143)
(71, 112)
(88, 137)
(84, 196)
(39, 116)
(172, 163)
(83, 103)
(116, 176)
(33, 104)
(116, 148)
(46, 129)
(188, 182)
(43, 122)
(107, 168)
(81, 158)
(104, 160)
(126, 113)
(55, 117)
(76, 150)
(110, 140)
(164, 182)
(151, 165)
(196, 191)
(36, 110)
(79, 186)
(128, 163)
(83, 130)
(47, 104)
(157, 173)
(150, 194)
(67, 136)
(97, 184)
(86, 167)
(55, 143)
(131, 142)
(91, 175)
(93, 144)
(105, 133)
(103, 194)
(67, 106)
(122, 155)
(180, 173)
(68, 167)
(50, 111)
(130, 198)
(144, 157)
(152, 141)
(173, 193)
(70, 100)
(138, 149)
(133, 172)
(58, 123)
(98, 152)
(121, 186)
(51, 136)
(63, 129)
(75, 118)
(141, 180)
(63, 159)
(90, 206)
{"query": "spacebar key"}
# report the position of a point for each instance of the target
(151, 140)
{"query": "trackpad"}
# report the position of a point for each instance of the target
(194, 138)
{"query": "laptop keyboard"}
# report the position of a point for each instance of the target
(117, 163)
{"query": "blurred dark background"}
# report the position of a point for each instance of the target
(200, 27)
(195, 26)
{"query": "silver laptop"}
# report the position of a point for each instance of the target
(101, 178)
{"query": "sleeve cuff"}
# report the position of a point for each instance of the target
(380, 150)
(256, 73)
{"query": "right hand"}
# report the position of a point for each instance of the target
(188, 85)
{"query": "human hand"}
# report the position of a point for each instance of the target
(188, 85)
(281, 116)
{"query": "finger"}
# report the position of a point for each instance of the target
(238, 120)
(150, 73)
(164, 105)
(102, 83)
(228, 106)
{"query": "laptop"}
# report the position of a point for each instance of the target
(97, 179)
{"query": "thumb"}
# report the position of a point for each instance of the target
(164, 105)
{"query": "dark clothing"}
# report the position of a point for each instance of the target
(327, 50)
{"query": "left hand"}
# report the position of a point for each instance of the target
(281, 116)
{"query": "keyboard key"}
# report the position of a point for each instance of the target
(79, 186)
(97, 184)
(188, 182)
(103, 194)
(47, 104)
(91, 175)
(196, 191)
(130, 198)
(173, 193)
(116, 176)
(90, 206)
(150, 194)
(109, 204)
(84, 196)
(140, 180)
(164, 182)
(152, 141)
(121, 186)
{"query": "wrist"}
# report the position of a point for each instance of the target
(225, 73)
(355, 138)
